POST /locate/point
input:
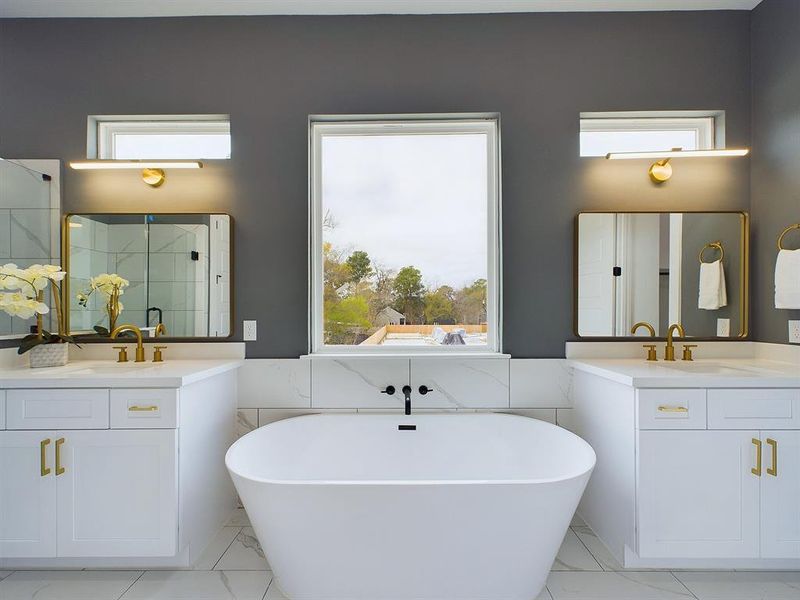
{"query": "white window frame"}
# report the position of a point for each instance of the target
(708, 126)
(103, 129)
(488, 124)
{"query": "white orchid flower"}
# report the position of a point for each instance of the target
(17, 304)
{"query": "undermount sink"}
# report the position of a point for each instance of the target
(112, 369)
(711, 368)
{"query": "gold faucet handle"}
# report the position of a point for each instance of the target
(123, 353)
(651, 351)
(157, 355)
(687, 351)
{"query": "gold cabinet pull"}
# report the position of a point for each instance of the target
(773, 470)
(674, 409)
(59, 469)
(136, 408)
(757, 469)
(44, 469)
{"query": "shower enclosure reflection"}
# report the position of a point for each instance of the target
(177, 269)
(29, 232)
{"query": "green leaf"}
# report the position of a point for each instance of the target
(29, 342)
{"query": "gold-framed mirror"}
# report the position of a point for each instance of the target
(646, 266)
(172, 273)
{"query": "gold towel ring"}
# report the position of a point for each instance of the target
(713, 246)
(784, 232)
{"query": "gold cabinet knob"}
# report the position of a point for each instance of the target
(123, 353)
(687, 351)
(157, 355)
(651, 351)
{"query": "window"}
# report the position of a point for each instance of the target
(405, 235)
(602, 133)
(160, 137)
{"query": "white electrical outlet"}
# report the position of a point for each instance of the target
(723, 328)
(249, 331)
(794, 332)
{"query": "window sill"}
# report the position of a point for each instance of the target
(405, 355)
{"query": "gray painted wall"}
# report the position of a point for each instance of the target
(538, 70)
(775, 181)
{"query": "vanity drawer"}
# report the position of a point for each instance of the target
(672, 409)
(57, 409)
(761, 408)
(2, 409)
(144, 408)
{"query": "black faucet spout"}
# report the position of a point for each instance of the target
(407, 394)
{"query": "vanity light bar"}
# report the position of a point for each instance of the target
(135, 164)
(677, 154)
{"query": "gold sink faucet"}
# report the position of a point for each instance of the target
(651, 348)
(669, 351)
(138, 332)
(646, 325)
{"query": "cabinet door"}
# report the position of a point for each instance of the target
(118, 493)
(697, 496)
(780, 495)
(27, 494)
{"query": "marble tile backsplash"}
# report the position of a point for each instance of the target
(275, 389)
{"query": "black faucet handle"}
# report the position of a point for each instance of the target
(424, 389)
(389, 390)
(407, 390)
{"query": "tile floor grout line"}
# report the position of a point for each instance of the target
(269, 585)
(594, 558)
(691, 593)
(141, 574)
(228, 547)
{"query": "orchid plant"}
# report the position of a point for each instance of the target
(22, 295)
(110, 286)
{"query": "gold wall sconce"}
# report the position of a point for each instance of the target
(153, 171)
(661, 170)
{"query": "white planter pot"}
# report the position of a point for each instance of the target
(49, 355)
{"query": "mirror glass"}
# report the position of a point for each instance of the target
(634, 267)
(29, 231)
(171, 269)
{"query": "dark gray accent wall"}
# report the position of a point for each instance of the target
(775, 181)
(269, 73)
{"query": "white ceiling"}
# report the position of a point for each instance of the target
(173, 8)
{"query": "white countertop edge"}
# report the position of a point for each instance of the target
(170, 374)
(614, 370)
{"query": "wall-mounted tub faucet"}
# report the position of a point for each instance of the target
(407, 394)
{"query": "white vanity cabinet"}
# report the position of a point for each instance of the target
(780, 495)
(118, 493)
(27, 494)
(697, 497)
(692, 477)
(115, 476)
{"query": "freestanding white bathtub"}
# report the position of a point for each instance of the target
(465, 506)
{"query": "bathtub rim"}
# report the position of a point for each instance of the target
(412, 482)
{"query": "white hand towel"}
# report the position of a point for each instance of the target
(787, 279)
(713, 294)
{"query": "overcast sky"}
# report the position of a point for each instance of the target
(410, 200)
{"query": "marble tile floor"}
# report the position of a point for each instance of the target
(233, 567)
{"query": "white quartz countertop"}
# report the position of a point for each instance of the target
(109, 374)
(705, 373)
